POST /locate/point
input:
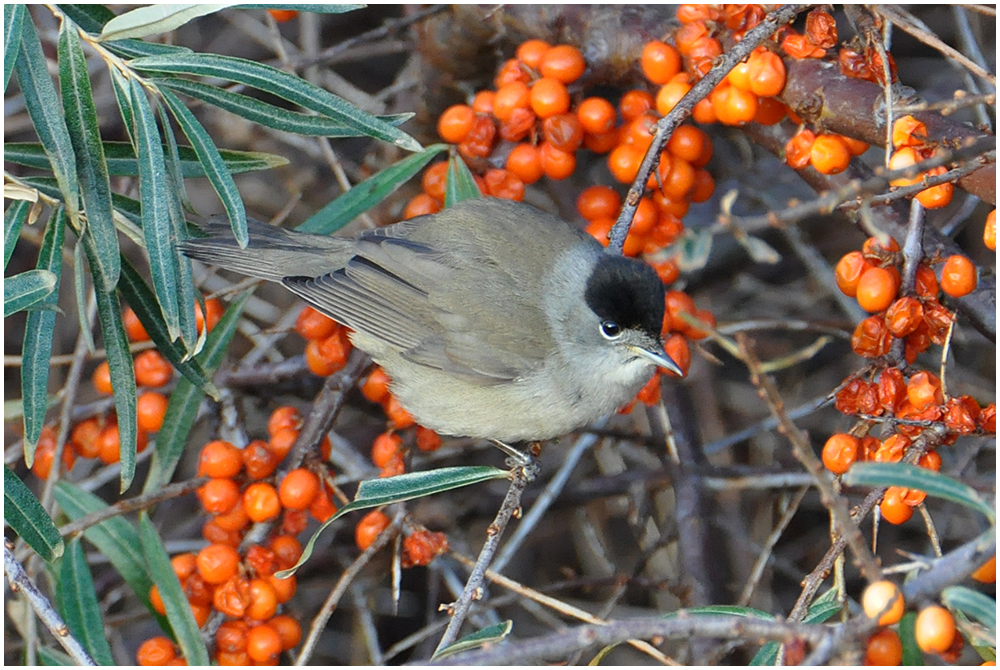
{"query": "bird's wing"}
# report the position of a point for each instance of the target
(448, 313)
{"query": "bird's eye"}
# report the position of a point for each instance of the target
(611, 330)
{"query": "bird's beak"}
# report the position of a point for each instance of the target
(659, 358)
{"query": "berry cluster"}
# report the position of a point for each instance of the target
(828, 153)
(909, 138)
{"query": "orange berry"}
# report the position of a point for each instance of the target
(156, 602)
(369, 528)
(938, 196)
(184, 565)
(479, 143)
(525, 161)
(660, 62)
(840, 452)
(596, 115)
(893, 508)
(738, 107)
(152, 369)
(376, 386)
(704, 112)
(385, 447)
(287, 551)
(216, 534)
(421, 205)
(258, 459)
(670, 94)
(288, 629)
(766, 73)
(908, 132)
(455, 123)
(336, 347)
(422, 547)
(235, 519)
(990, 231)
(284, 589)
(556, 164)
(83, 437)
(854, 147)
(102, 378)
(958, 276)
(645, 217)
(597, 202)
(829, 154)
(483, 103)
(151, 408)
(312, 324)
(282, 442)
(504, 184)
(877, 289)
(924, 390)
(217, 563)
(935, 629)
(261, 502)
(282, 15)
(219, 496)
(677, 348)
(284, 417)
(599, 229)
(883, 600)
(680, 180)
(640, 132)
(563, 62)
(667, 271)
(884, 648)
(427, 439)
(624, 162)
(514, 95)
(931, 460)
(322, 507)
(220, 460)
(904, 158)
(318, 364)
(798, 150)
(688, 143)
(157, 650)
(215, 311)
(704, 186)
(133, 327)
(397, 414)
(263, 643)
(298, 489)
(926, 285)
(263, 601)
(231, 636)
(739, 76)
(634, 104)
(563, 131)
(549, 97)
(601, 144)
(987, 572)
(232, 658)
(688, 35)
(904, 316)
(108, 444)
(511, 70)
(531, 52)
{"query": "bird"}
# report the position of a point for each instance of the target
(494, 319)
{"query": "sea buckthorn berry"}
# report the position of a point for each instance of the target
(640, 132)
(376, 386)
(258, 459)
(908, 132)
(952, 654)
(904, 316)
(511, 70)
(336, 347)
(849, 270)
(455, 123)
(152, 369)
(151, 408)
(369, 528)
(282, 15)
(156, 601)
(670, 94)
(705, 317)
(702, 55)
(231, 636)
(399, 417)
(634, 104)
(317, 363)
(422, 547)
(284, 589)
(739, 76)
(688, 35)
(958, 276)
(563, 131)
(157, 650)
(312, 324)
(990, 231)
(102, 378)
(688, 143)
(184, 565)
(133, 327)
(935, 629)
(649, 394)
(766, 73)
(196, 590)
(667, 271)
(987, 572)
(877, 289)
(525, 161)
(322, 507)
(704, 186)
(891, 389)
(213, 307)
(704, 112)
(988, 418)
(563, 62)
(557, 164)
(902, 159)
(218, 496)
(549, 97)
(284, 417)
(216, 534)
(893, 508)
(960, 414)
(83, 437)
(232, 597)
(680, 180)
(891, 450)
(735, 107)
(938, 196)
(287, 551)
(479, 142)
(217, 563)
(263, 643)
(601, 144)
(798, 150)
(769, 112)
(884, 648)
(692, 13)
(924, 390)
(645, 217)
(396, 465)
(385, 447)
(596, 115)
(504, 184)
(677, 348)
(232, 658)
(235, 519)
(288, 629)
(599, 229)
(220, 460)
(483, 103)
(931, 460)
(109, 443)
(883, 600)
(938, 320)
(45, 454)
(854, 147)
(840, 452)
(263, 601)
(261, 502)
(926, 284)
(871, 338)
(298, 489)
(530, 52)
(598, 202)
(421, 205)
(261, 560)
(660, 62)
(829, 154)
(282, 442)
(427, 439)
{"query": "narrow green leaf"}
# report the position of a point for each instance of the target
(85, 134)
(123, 96)
(121, 162)
(378, 492)
(79, 607)
(46, 114)
(114, 537)
(129, 49)
(914, 477)
(122, 374)
(721, 610)
(302, 7)
(178, 609)
(81, 295)
(38, 331)
(13, 20)
(973, 604)
(820, 610)
(281, 84)
(490, 634)
(13, 221)
(26, 290)
(156, 223)
(344, 209)
(907, 635)
(184, 401)
(214, 166)
(461, 185)
(269, 115)
(90, 17)
(54, 657)
(154, 19)
(23, 513)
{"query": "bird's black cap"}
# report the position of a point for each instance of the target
(628, 292)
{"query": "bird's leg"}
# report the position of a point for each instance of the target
(518, 457)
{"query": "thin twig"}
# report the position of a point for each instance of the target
(130, 505)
